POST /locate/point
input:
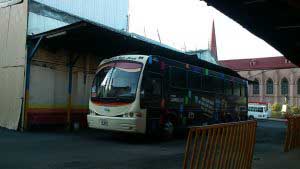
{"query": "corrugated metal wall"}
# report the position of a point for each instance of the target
(49, 68)
(54, 91)
(48, 101)
(112, 13)
(13, 25)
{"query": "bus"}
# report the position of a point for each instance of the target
(154, 94)
(259, 110)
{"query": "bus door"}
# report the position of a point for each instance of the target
(152, 97)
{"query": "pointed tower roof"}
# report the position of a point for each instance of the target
(213, 42)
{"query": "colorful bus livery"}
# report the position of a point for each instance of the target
(150, 94)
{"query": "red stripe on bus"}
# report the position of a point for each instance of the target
(55, 110)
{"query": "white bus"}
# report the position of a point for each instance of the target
(150, 94)
(258, 111)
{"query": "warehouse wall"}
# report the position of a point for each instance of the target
(13, 25)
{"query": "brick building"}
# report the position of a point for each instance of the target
(277, 78)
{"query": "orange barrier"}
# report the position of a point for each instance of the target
(292, 139)
(221, 146)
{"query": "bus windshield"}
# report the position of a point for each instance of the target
(116, 81)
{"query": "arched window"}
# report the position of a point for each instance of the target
(284, 87)
(269, 86)
(298, 86)
(256, 87)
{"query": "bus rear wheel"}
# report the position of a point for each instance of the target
(168, 129)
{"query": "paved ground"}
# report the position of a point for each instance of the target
(269, 148)
(93, 149)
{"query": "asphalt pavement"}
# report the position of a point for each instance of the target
(93, 149)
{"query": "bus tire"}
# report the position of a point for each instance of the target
(168, 129)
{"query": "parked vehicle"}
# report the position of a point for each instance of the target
(149, 94)
(258, 110)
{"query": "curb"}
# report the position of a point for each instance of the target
(280, 120)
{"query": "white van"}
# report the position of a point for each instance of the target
(258, 111)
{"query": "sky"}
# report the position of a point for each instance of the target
(186, 25)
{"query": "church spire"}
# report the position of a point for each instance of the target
(213, 42)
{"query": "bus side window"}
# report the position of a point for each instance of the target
(178, 77)
(195, 80)
(236, 89)
(242, 90)
(152, 87)
(228, 88)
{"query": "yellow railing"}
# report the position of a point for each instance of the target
(292, 139)
(221, 146)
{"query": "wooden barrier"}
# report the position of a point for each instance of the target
(220, 146)
(292, 139)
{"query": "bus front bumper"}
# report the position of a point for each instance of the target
(130, 125)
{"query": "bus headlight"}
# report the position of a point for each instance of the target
(125, 115)
(131, 114)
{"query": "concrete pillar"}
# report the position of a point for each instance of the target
(262, 87)
(292, 91)
(276, 86)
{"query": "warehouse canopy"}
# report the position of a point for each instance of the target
(106, 42)
(275, 21)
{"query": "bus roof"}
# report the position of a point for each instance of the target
(187, 59)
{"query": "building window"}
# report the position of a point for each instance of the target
(284, 87)
(298, 86)
(252, 63)
(269, 86)
(256, 87)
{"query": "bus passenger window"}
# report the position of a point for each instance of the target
(178, 77)
(207, 83)
(242, 90)
(219, 85)
(228, 87)
(236, 90)
(195, 80)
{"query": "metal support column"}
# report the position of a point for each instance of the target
(69, 108)
(30, 54)
(70, 85)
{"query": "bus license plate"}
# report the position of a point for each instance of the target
(104, 122)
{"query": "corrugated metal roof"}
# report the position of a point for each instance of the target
(106, 42)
